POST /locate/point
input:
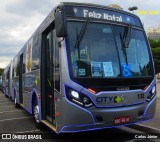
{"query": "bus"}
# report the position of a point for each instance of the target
(86, 67)
(7, 81)
(1, 83)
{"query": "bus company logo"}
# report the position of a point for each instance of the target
(119, 99)
(115, 99)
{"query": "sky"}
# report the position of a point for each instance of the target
(20, 18)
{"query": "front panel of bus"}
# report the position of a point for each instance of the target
(108, 74)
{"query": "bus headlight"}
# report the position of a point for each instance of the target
(78, 98)
(74, 94)
(151, 94)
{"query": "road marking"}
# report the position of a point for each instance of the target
(8, 106)
(4, 98)
(10, 111)
(29, 131)
(1, 101)
(14, 119)
(6, 102)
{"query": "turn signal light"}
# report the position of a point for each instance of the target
(94, 92)
(145, 88)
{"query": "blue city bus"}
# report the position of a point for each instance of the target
(7, 81)
(86, 67)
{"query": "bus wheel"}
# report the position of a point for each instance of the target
(36, 115)
(15, 103)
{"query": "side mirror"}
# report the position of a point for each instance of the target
(60, 25)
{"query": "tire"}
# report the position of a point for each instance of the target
(15, 102)
(37, 121)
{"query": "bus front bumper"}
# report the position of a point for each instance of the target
(80, 119)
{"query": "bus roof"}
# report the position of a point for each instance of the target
(97, 6)
(83, 10)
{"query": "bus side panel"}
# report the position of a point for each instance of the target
(11, 82)
(31, 89)
(16, 88)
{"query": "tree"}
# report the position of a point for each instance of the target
(158, 42)
(1, 71)
(155, 45)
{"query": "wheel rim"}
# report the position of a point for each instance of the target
(36, 115)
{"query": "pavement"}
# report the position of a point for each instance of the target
(153, 126)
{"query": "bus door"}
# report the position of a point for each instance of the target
(49, 78)
(21, 80)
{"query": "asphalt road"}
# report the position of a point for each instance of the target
(18, 121)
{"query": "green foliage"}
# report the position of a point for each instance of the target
(158, 42)
(155, 45)
(1, 71)
(156, 51)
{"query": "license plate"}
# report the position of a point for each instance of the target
(121, 120)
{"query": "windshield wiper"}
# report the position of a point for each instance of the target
(81, 33)
(126, 36)
(125, 41)
(125, 55)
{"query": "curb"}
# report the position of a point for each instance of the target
(145, 128)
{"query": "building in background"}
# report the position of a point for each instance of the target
(115, 6)
(153, 33)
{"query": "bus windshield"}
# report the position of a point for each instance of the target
(101, 52)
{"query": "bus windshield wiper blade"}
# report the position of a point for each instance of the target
(82, 32)
(125, 55)
(125, 41)
(124, 48)
(126, 36)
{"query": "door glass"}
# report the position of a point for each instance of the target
(49, 78)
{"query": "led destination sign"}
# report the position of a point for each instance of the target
(105, 16)
(78, 11)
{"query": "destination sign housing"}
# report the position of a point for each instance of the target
(105, 14)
